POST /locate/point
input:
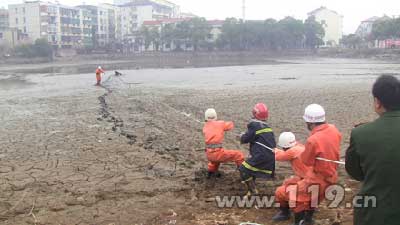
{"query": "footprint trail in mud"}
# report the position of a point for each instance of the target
(106, 114)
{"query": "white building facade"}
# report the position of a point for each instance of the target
(332, 23)
(62, 26)
(138, 11)
(87, 25)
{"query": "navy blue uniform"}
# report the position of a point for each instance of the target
(261, 162)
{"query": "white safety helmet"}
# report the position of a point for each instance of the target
(314, 113)
(210, 114)
(287, 140)
(99, 67)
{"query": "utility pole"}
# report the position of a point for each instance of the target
(244, 10)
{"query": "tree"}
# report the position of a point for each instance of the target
(288, 33)
(155, 38)
(167, 35)
(41, 48)
(145, 35)
(386, 28)
(351, 41)
(150, 36)
(198, 31)
(291, 33)
(314, 33)
(231, 36)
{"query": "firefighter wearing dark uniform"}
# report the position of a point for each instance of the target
(261, 161)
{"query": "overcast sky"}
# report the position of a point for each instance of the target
(353, 11)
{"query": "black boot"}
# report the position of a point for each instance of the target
(251, 187)
(282, 215)
(298, 218)
(308, 215)
(213, 174)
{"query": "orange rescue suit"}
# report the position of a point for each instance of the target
(98, 75)
(292, 155)
(323, 142)
(214, 132)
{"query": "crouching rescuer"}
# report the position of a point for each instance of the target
(323, 143)
(214, 131)
(261, 161)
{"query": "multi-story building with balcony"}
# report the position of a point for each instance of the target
(138, 11)
(62, 26)
(103, 23)
(87, 25)
(4, 25)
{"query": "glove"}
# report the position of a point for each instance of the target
(239, 136)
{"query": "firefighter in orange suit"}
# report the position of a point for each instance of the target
(99, 71)
(291, 153)
(324, 142)
(214, 131)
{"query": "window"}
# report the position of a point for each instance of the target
(24, 29)
(16, 20)
(23, 10)
(16, 10)
(24, 20)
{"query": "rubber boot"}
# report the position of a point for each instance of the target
(299, 218)
(213, 174)
(308, 217)
(251, 187)
(282, 215)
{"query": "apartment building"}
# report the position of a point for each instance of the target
(103, 24)
(4, 19)
(332, 23)
(4, 25)
(161, 8)
(138, 11)
(87, 25)
(62, 26)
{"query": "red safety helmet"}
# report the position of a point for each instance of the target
(260, 111)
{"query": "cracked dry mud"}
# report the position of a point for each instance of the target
(133, 154)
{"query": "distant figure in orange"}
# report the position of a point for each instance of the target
(99, 71)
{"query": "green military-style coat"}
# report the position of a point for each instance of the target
(373, 158)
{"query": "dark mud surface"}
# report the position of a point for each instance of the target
(131, 151)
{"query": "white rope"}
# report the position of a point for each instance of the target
(318, 158)
(272, 150)
(332, 161)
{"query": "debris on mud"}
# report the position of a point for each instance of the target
(287, 78)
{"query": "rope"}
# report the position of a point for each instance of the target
(110, 78)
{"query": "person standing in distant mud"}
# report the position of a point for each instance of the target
(214, 132)
(373, 158)
(99, 72)
(261, 163)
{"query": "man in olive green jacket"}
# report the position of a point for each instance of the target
(373, 158)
